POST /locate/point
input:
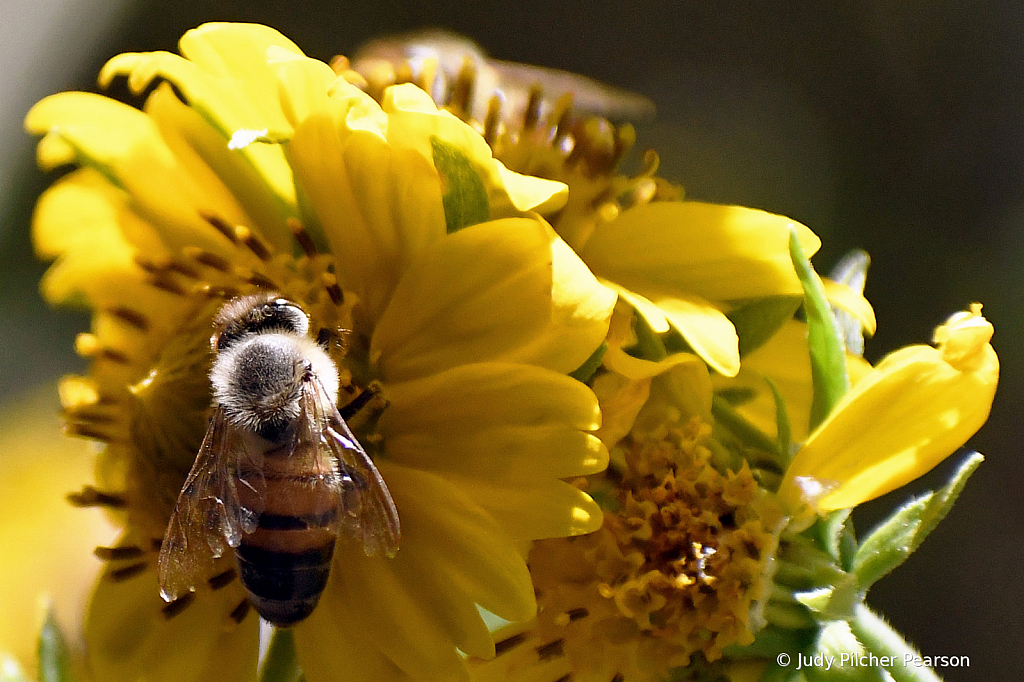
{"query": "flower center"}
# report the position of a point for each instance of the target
(679, 567)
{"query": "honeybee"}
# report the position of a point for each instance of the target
(279, 474)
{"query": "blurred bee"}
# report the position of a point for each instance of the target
(512, 81)
(279, 474)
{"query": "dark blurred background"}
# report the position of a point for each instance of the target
(896, 127)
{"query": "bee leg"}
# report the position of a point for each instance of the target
(357, 403)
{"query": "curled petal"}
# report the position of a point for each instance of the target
(907, 415)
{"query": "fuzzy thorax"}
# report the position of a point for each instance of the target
(258, 381)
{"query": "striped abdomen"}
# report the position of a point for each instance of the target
(285, 562)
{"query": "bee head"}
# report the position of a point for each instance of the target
(257, 314)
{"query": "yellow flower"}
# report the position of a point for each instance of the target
(391, 221)
(915, 408)
(679, 569)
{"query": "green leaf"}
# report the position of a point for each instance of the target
(757, 321)
(52, 651)
(880, 639)
(901, 534)
(463, 190)
(281, 663)
(831, 657)
(828, 356)
(585, 371)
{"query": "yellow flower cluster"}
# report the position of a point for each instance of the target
(520, 309)
(679, 567)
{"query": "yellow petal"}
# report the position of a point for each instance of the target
(335, 638)
(720, 253)
(229, 76)
(706, 329)
(625, 364)
(912, 411)
(507, 290)
(621, 399)
(86, 223)
(126, 145)
(529, 193)
(543, 509)
(457, 544)
(415, 610)
(246, 193)
(224, 73)
(379, 207)
(130, 638)
(495, 421)
(415, 119)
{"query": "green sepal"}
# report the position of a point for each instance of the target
(824, 339)
(803, 566)
(847, 545)
(732, 421)
(833, 602)
(772, 640)
(828, 531)
(584, 372)
(901, 534)
(803, 644)
(789, 615)
(784, 438)
(463, 191)
(737, 396)
(282, 662)
(649, 345)
(834, 641)
(757, 320)
(52, 651)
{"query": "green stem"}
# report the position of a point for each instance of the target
(281, 663)
(880, 639)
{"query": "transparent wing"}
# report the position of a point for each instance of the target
(222, 498)
(365, 508)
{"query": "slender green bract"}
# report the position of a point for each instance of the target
(52, 650)
(828, 355)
